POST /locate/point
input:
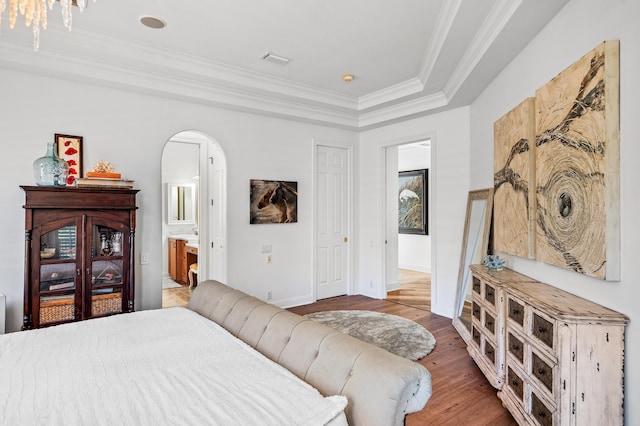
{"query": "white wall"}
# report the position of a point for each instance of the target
(577, 29)
(130, 130)
(414, 251)
(449, 174)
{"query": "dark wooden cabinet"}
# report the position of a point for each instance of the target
(79, 253)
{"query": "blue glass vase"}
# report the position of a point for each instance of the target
(50, 170)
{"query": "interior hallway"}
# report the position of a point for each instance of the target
(415, 290)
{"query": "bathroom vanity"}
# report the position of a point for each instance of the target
(183, 251)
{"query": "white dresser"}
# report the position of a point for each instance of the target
(557, 359)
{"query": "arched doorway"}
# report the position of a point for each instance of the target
(193, 213)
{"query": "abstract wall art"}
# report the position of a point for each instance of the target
(577, 166)
(514, 195)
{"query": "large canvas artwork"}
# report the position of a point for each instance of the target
(273, 201)
(514, 181)
(577, 166)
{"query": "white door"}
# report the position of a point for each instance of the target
(216, 204)
(332, 222)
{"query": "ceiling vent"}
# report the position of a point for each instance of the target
(281, 60)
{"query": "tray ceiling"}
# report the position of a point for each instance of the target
(409, 58)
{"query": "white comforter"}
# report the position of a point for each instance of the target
(162, 367)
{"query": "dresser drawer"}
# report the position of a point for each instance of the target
(475, 335)
(476, 285)
(490, 352)
(490, 294)
(489, 322)
(516, 348)
(542, 370)
(516, 384)
(475, 310)
(540, 411)
(516, 312)
(542, 329)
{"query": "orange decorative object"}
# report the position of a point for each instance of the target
(104, 175)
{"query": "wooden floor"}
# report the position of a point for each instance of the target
(415, 290)
(461, 393)
(176, 296)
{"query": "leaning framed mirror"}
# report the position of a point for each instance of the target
(475, 245)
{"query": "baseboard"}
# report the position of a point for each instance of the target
(393, 286)
(418, 268)
(292, 302)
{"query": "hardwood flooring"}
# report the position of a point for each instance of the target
(415, 289)
(178, 296)
(461, 393)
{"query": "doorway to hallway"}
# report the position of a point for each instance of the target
(414, 291)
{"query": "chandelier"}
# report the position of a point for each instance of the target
(35, 12)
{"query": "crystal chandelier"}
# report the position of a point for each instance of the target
(35, 12)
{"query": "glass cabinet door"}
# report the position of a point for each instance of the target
(107, 266)
(58, 275)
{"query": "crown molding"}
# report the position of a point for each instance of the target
(390, 94)
(440, 32)
(498, 17)
(405, 109)
(109, 61)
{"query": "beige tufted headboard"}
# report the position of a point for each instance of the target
(381, 387)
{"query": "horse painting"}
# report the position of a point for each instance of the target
(274, 201)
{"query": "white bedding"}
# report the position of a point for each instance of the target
(161, 367)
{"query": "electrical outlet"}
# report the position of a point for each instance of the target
(266, 248)
(269, 295)
(144, 258)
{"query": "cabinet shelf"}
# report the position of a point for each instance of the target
(56, 261)
(100, 257)
(65, 291)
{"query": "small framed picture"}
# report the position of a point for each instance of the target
(69, 148)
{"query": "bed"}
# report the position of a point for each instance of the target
(190, 367)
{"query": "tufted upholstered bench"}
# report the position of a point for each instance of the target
(382, 388)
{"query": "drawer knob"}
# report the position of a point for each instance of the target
(515, 347)
(514, 383)
(516, 311)
(541, 371)
(541, 329)
(541, 414)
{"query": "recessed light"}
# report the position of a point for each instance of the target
(152, 22)
(348, 77)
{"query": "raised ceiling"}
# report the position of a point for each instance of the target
(409, 58)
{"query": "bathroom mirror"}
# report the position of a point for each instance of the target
(181, 203)
(475, 245)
